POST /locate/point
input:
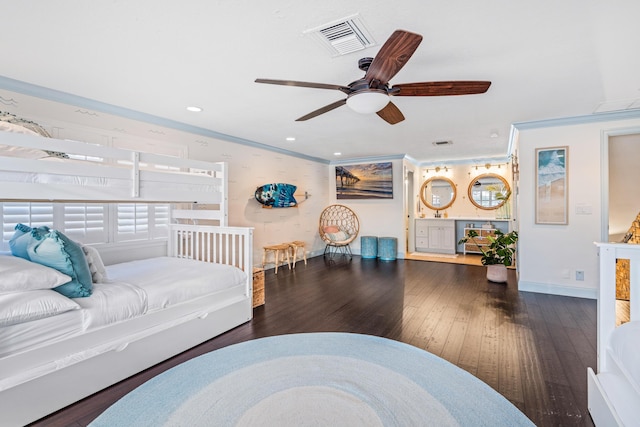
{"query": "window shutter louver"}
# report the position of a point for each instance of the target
(132, 221)
(32, 214)
(161, 219)
(85, 222)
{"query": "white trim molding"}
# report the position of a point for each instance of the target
(555, 289)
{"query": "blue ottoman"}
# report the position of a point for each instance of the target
(369, 247)
(387, 248)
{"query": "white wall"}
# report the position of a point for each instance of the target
(550, 255)
(378, 217)
(252, 167)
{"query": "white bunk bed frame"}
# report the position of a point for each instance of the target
(36, 383)
(606, 405)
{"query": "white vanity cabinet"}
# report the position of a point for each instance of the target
(436, 235)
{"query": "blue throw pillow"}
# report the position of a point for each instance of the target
(20, 240)
(55, 250)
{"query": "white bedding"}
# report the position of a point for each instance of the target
(17, 338)
(625, 346)
(620, 383)
(134, 289)
(111, 303)
(195, 279)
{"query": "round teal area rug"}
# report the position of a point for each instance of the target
(316, 379)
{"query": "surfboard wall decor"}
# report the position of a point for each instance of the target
(276, 195)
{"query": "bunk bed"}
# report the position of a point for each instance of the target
(140, 312)
(614, 392)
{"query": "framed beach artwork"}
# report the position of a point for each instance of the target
(364, 181)
(551, 185)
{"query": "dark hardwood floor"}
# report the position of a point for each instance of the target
(532, 348)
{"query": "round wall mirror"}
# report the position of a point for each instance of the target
(489, 191)
(438, 193)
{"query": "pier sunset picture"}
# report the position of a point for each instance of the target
(365, 181)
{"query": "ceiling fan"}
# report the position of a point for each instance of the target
(371, 94)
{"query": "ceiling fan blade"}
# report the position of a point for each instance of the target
(322, 110)
(344, 89)
(393, 55)
(441, 88)
(391, 114)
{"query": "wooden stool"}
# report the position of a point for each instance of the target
(276, 249)
(294, 249)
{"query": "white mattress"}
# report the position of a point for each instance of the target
(168, 280)
(625, 346)
(111, 303)
(16, 338)
(135, 288)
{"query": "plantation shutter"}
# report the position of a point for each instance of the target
(31, 214)
(88, 222)
(142, 221)
(132, 221)
(161, 219)
(85, 222)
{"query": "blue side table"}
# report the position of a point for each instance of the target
(387, 248)
(369, 247)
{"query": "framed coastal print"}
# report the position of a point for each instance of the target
(551, 185)
(364, 181)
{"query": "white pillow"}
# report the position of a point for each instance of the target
(17, 275)
(19, 307)
(339, 236)
(96, 266)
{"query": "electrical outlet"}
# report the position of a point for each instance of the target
(579, 275)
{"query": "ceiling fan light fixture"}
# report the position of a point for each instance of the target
(368, 101)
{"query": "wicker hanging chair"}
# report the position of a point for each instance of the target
(338, 226)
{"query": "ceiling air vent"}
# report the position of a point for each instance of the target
(343, 36)
(439, 143)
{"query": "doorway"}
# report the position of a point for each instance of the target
(409, 211)
(621, 210)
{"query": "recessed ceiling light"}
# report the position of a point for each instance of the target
(194, 109)
(290, 138)
(337, 154)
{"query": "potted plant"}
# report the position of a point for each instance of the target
(497, 252)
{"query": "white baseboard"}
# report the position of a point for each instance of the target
(555, 289)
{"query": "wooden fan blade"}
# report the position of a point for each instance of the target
(391, 114)
(393, 55)
(344, 89)
(323, 110)
(441, 88)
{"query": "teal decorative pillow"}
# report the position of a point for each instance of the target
(55, 250)
(20, 240)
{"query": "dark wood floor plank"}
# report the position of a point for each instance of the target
(532, 348)
(470, 350)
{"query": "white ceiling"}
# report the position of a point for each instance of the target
(546, 59)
